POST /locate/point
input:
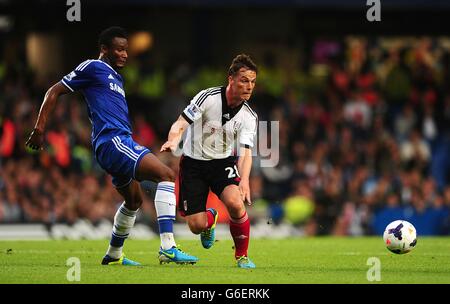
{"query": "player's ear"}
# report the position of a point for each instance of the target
(103, 49)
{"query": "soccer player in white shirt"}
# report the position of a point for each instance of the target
(219, 122)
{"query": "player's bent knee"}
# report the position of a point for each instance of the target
(196, 227)
(236, 208)
(168, 175)
(234, 204)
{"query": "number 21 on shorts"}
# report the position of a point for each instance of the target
(232, 171)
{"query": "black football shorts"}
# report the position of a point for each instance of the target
(196, 177)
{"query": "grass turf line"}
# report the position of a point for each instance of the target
(287, 261)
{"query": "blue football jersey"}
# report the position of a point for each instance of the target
(103, 91)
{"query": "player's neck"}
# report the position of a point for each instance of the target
(232, 102)
(106, 60)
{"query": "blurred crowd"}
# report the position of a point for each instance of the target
(364, 138)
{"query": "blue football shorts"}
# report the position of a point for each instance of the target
(120, 157)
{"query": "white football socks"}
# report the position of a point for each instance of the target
(165, 205)
(123, 222)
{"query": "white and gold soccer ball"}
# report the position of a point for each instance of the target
(400, 237)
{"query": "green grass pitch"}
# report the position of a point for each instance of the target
(288, 261)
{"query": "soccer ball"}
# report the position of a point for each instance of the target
(400, 237)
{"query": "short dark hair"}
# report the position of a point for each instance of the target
(106, 36)
(241, 61)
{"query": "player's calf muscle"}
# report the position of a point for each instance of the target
(133, 204)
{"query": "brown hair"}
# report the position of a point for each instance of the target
(241, 61)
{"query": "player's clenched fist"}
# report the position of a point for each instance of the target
(36, 140)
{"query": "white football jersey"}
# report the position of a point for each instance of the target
(216, 130)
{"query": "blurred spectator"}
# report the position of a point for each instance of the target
(415, 152)
(405, 122)
(357, 111)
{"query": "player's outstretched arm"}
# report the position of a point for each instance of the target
(244, 167)
(176, 131)
(36, 138)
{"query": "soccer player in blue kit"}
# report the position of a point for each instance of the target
(115, 151)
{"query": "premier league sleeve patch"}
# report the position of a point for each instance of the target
(192, 111)
(70, 76)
